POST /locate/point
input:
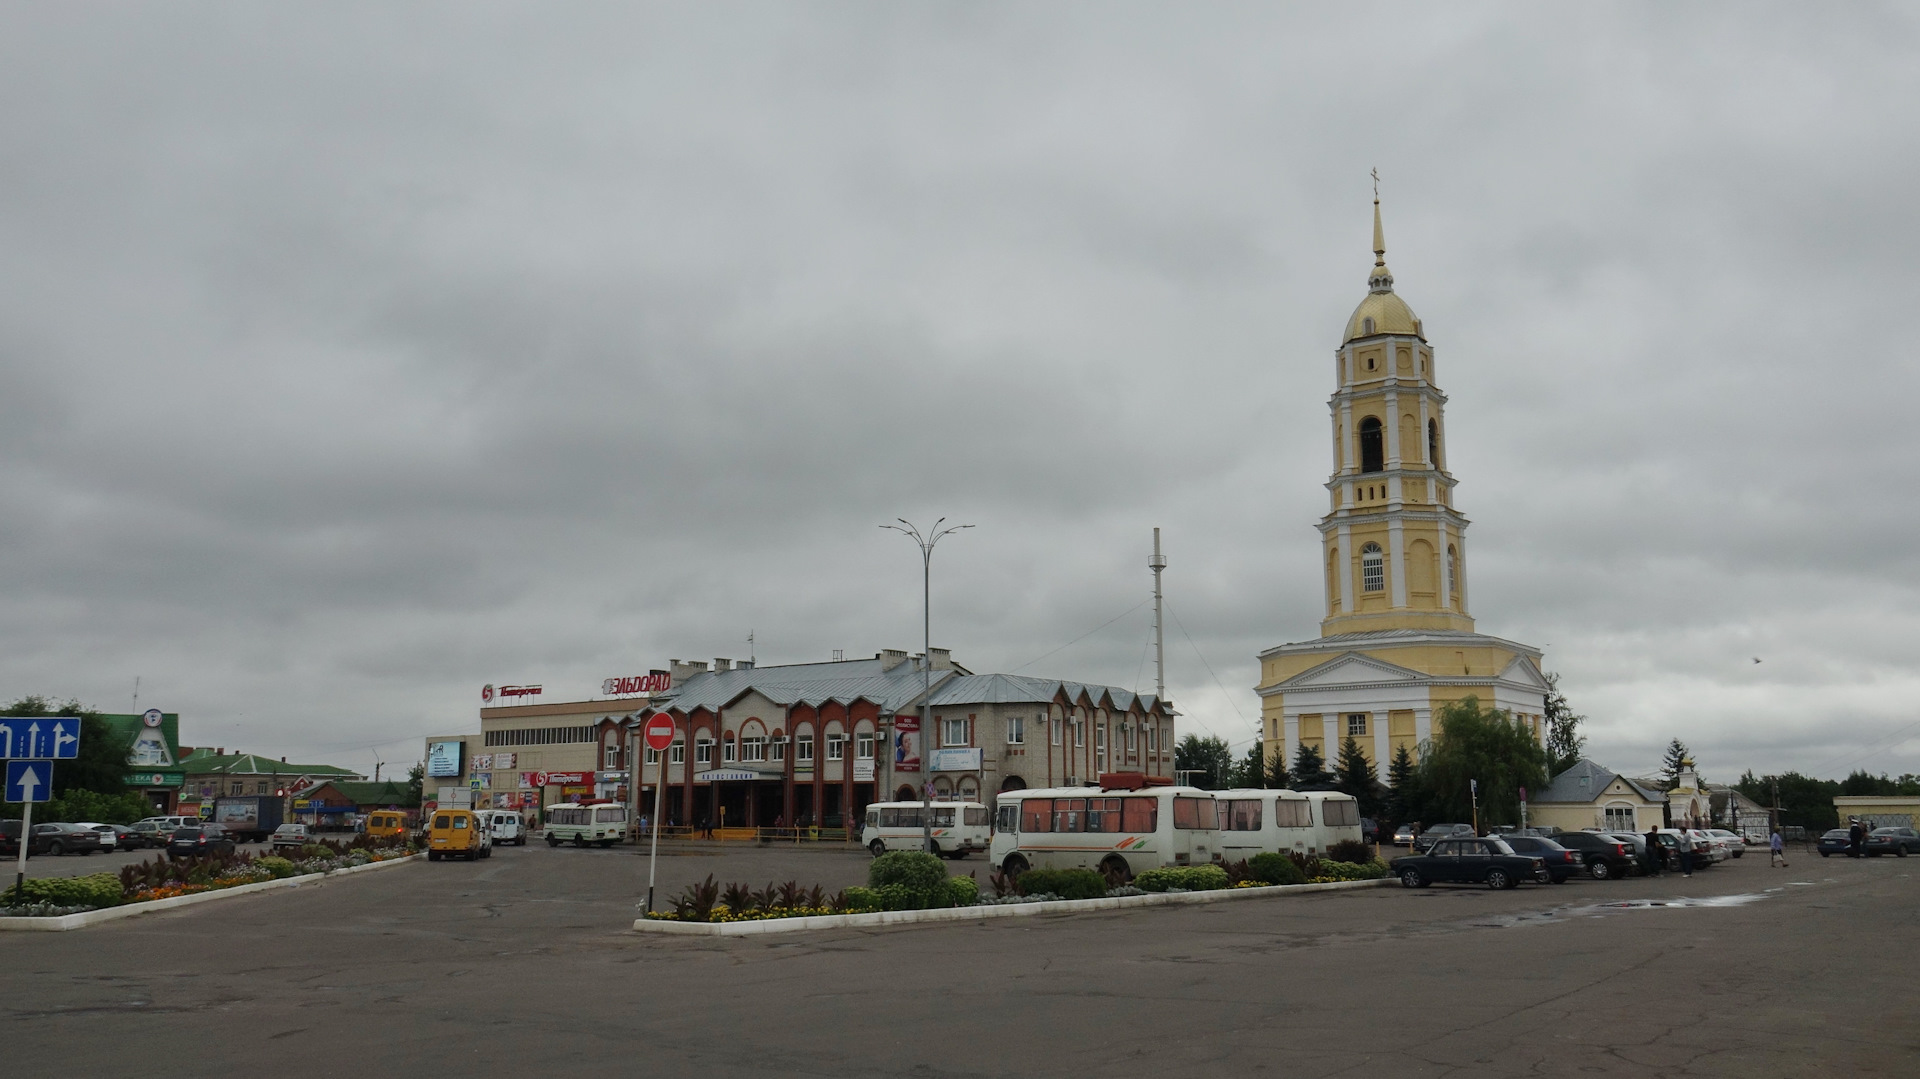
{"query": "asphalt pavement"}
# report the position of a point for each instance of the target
(523, 963)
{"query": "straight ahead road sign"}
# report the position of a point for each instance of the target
(40, 738)
(29, 781)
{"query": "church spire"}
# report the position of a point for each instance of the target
(1379, 235)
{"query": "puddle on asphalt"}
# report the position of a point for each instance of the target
(1561, 914)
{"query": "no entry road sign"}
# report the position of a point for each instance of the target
(659, 733)
(40, 738)
(29, 781)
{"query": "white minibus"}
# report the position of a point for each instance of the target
(1338, 817)
(1258, 821)
(604, 823)
(505, 826)
(1120, 832)
(959, 828)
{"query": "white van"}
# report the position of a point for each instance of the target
(505, 826)
(1338, 816)
(959, 828)
(1259, 821)
(1118, 831)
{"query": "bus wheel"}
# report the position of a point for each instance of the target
(552, 840)
(1013, 866)
(878, 848)
(956, 855)
(1116, 871)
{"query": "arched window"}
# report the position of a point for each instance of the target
(1366, 327)
(1433, 443)
(1373, 455)
(1373, 569)
(1453, 572)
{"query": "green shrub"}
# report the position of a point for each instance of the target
(918, 870)
(1350, 850)
(962, 891)
(901, 897)
(279, 867)
(1065, 883)
(859, 901)
(1273, 868)
(1324, 871)
(1189, 878)
(92, 890)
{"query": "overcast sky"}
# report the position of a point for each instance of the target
(354, 356)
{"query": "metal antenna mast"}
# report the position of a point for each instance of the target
(1157, 563)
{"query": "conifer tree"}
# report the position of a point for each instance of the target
(1310, 768)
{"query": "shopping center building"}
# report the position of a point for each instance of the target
(805, 744)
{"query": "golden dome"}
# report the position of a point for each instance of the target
(1381, 311)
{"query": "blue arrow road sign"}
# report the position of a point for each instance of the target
(40, 738)
(29, 781)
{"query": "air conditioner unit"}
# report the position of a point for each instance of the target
(779, 740)
(1073, 781)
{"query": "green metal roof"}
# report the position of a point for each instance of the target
(367, 793)
(203, 762)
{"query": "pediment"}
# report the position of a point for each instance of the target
(1525, 673)
(1350, 669)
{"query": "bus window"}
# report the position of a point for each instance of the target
(1140, 814)
(610, 814)
(1293, 813)
(1340, 811)
(1103, 814)
(1194, 813)
(443, 821)
(976, 816)
(1242, 815)
(1036, 815)
(1009, 818)
(1069, 814)
(943, 818)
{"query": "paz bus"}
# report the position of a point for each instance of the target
(604, 823)
(1258, 821)
(959, 828)
(1128, 825)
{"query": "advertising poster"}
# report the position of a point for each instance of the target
(906, 743)
(443, 759)
(526, 781)
(483, 762)
(504, 762)
(481, 780)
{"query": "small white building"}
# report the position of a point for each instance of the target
(1590, 796)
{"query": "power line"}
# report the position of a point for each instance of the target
(1208, 666)
(1082, 637)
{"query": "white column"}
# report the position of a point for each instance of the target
(1424, 455)
(1344, 565)
(1347, 452)
(1460, 545)
(1392, 420)
(1397, 542)
(1290, 730)
(1422, 725)
(1330, 747)
(1380, 747)
(1446, 567)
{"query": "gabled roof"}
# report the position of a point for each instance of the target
(803, 683)
(205, 762)
(1587, 781)
(385, 793)
(1022, 689)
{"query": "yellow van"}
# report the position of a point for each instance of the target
(387, 824)
(458, 832)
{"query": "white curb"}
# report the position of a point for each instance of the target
(108, 914)
(997, 910)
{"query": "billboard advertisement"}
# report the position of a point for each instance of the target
(443, 759)
(906, 743)
(956, 760)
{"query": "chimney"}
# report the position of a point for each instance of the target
(942, 658)
(891, 658)
(683, 671)
(722, 665)
(220, 752)
(746, 665)
(283, 760)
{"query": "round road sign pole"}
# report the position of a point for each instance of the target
(659, 790)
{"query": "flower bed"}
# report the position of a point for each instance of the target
(170, 878)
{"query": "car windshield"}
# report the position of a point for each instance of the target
(187, 833)
(1837, 833)
(1886, 831)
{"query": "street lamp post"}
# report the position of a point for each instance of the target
(925, 543)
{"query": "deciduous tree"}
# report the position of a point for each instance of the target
(1208, 757)
(1484, 745)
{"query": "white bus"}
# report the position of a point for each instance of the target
(1338, 816)
(604, 823)
(1116, 831)
(959, 828)
(1258, 821)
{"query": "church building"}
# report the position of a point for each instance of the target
(1397, 642)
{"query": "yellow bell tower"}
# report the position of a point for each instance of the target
(1396, 643)
(1394, 546)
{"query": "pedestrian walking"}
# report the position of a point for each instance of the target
(1656, 856)
(1684, 841)
(643, 824)
(1855, 833)
(1776, 850)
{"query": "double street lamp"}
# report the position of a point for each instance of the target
(925, 543)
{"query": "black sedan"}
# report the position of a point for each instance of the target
(1470, 860)
(205, 839)
(1900, 841)
(1561, 862)
(1835, 841)
(1605, 856)
(60, 838)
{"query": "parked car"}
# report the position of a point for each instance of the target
(1637, 844)
(290, 835)
(108, 840)
(1898, 841)
(60, 838)
(1561, 862)
(1469, 860)
(1736, 844)
(1369, 830)
(1434, 833)
(125, 838)
(1403, 835)
(10, 839)
(1715, 848)
(199, 839)
(151, 833)
(1604, 856)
